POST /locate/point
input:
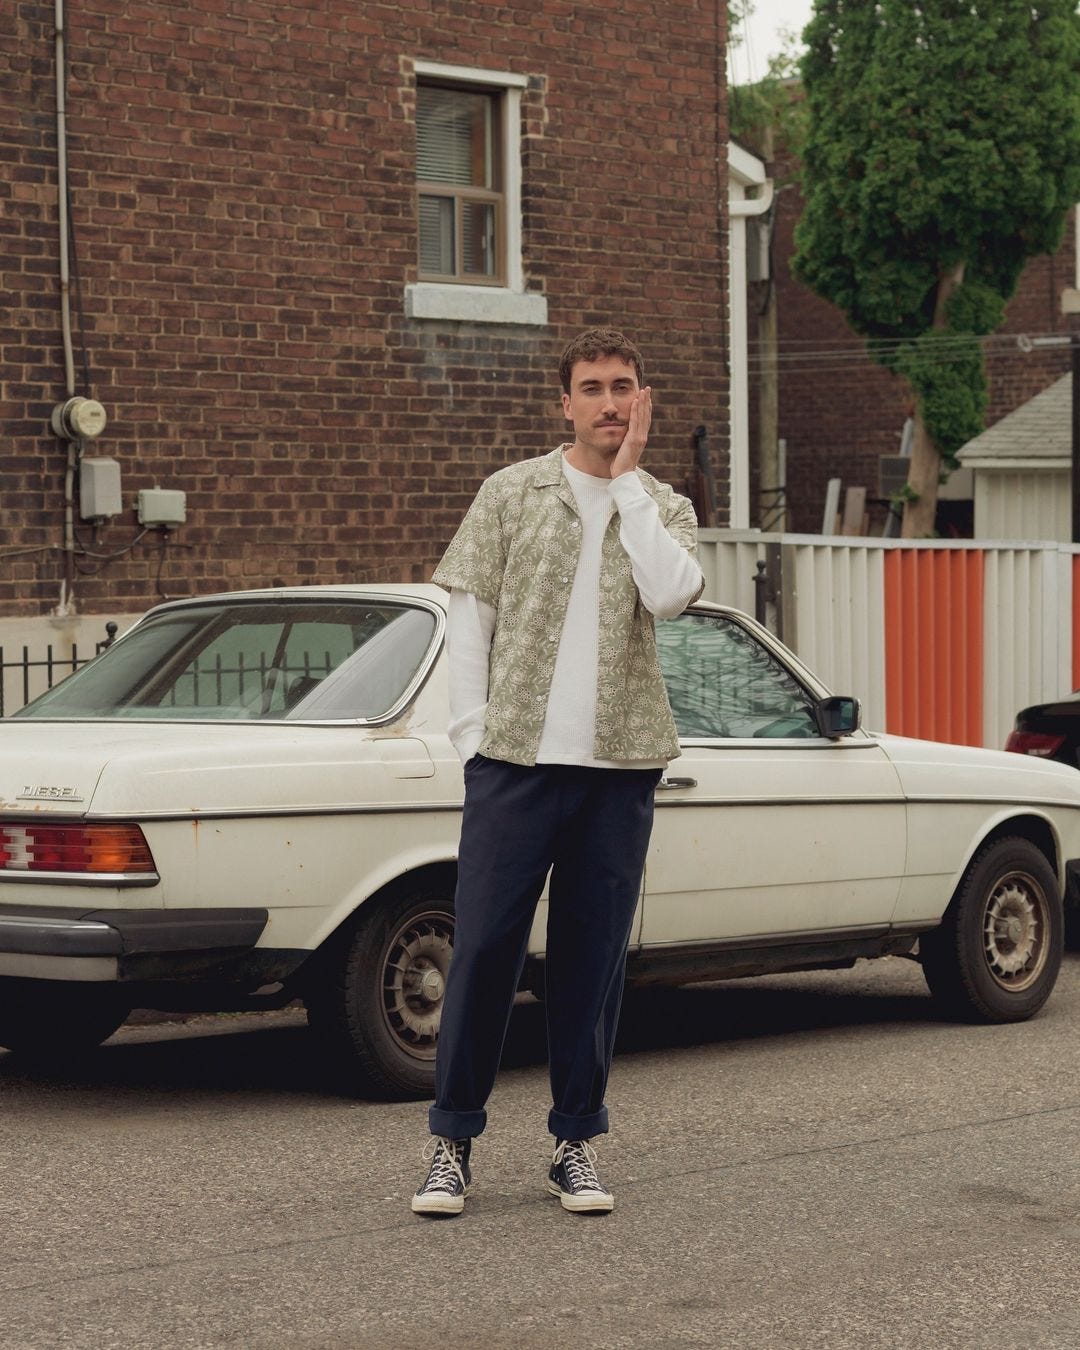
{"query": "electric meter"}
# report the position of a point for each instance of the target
(78, 419)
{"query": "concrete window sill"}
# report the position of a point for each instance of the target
(474, 304)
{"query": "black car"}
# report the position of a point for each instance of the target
(1049, 730)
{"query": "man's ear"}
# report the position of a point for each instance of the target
(566, 407)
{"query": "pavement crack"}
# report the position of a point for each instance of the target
(466, 1224)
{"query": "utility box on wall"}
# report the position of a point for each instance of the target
(99, 487)
(162, 506)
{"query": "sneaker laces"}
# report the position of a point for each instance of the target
(579, 1158)
(445, 1157)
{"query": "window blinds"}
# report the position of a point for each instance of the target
(454, 137)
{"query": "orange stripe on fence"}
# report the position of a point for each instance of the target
(934, 644)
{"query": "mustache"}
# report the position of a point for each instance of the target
(607, 422)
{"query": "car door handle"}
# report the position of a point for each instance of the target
(666, 783)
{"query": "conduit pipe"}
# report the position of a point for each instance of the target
(66, 604)
(62, 189)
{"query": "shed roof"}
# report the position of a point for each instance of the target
(1039, 432)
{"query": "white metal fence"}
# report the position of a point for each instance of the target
(829, 601)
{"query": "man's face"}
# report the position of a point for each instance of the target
(599, 401)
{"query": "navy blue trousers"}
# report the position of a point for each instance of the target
(590, 828)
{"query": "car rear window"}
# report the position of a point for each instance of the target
(284, 661)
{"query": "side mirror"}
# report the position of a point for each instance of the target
(837, 716)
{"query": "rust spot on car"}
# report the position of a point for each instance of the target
(396, 729)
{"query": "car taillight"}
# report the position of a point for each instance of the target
(1034, 743)
(74, 848)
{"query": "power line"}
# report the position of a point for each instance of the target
(808, 356)
(1010, 338)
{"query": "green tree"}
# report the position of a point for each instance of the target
(772, 111)
(942, 152)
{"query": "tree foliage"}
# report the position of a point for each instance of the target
(942, 152)
(771, 111)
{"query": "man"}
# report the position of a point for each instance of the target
(560, 716)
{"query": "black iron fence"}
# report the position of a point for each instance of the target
(17, 689)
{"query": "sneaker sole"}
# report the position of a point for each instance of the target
(582, 1204)
(446, 1205)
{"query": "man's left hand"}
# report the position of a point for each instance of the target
(637, 433)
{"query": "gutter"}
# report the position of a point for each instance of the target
(753, 206)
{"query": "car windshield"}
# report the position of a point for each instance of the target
(285, 660)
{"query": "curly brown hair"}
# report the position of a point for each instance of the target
(595, 343)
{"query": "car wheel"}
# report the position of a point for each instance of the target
(380, 1005)
(996, 956)
(53, 1019)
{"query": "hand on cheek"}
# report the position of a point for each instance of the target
(637, 434)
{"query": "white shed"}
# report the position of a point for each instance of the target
(1023, 470)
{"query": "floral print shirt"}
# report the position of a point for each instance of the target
(517, 550)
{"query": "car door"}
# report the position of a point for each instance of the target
(762, 825)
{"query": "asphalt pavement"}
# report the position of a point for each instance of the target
(798, 1161)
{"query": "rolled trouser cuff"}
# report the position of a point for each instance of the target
(456, 1124)
(578, 1127)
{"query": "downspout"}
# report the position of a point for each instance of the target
(66, 604)
(739, 208)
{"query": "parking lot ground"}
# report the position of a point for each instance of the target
(798, 1161)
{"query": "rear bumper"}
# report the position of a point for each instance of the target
(123, 944)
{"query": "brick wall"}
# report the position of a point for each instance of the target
(242, 195)
(839, 411)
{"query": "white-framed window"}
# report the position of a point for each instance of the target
(468, 198)
(459, 176)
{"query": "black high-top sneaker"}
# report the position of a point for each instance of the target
(449, 1178)
(573, 1178)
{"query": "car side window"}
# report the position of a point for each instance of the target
(282, 668)
(295, 660)
(230, 672)
(722, 682)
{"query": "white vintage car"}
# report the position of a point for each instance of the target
(251, 798)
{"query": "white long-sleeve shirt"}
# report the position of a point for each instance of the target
(667, 579)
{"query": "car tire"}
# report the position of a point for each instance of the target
(379, 1002)
(997, 953)
(51, 1020)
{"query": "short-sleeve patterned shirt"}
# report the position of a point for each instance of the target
(517, 550)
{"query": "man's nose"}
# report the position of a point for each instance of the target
(610, 406)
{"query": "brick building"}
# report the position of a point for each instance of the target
(838, 411)
(325, 255)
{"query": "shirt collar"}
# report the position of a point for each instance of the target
(549, 472)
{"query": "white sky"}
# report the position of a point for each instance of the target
(748, 60)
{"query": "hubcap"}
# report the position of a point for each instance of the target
(1014, 931)
(414, 981)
